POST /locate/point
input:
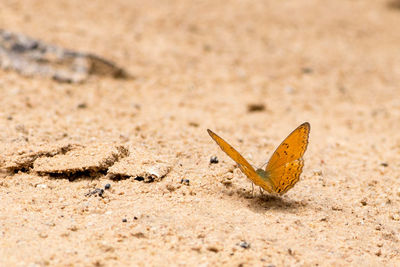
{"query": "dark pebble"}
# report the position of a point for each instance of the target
(185, 181)
(139, 178)
(101, 192)
(214, 160)
(384, 164)
(255, 107)
(244, 245)
(124, 220)
(364, 202)
(135, 218)
(107, 186)
(97, 192)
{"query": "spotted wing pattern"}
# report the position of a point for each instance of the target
(286, 163)
(286, 176)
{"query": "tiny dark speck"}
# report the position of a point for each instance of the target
(82, 105)
(384, 164)
(135, 218)
(139, 178)
(124, 220)
(307, 70)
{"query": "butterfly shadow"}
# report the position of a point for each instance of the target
(262, 202)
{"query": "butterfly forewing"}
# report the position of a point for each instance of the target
(244, 165)
(291, 149)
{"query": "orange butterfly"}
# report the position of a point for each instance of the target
(284, 167)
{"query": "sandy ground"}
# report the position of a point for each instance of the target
(199, 65)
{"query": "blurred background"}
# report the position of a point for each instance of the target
(251, 71)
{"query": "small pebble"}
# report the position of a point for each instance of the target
(193, 124)
(384, 164)
(185, 181)
(124, 220)
(213, 249)
(244, 244)
(43, 235)
(41, 186)
(107, 186)
(395, 217)
(99, 192)
(255, 107)
(214, 160)
(135, 218)
(364, 202)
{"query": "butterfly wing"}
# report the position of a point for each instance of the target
(243, 164)
(286, 176)
(292, 148)
(286, 163)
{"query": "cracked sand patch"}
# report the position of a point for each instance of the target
(140, 166)
(90, 160)
(23, 159)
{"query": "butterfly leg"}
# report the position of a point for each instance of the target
(261, 191)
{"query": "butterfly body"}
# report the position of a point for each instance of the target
(284, 167)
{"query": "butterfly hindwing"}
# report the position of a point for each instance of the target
(286, 176)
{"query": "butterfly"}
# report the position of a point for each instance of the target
(284, 167)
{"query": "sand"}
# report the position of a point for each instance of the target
(251, 71)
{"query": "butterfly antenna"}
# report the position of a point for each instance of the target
(263, 165)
